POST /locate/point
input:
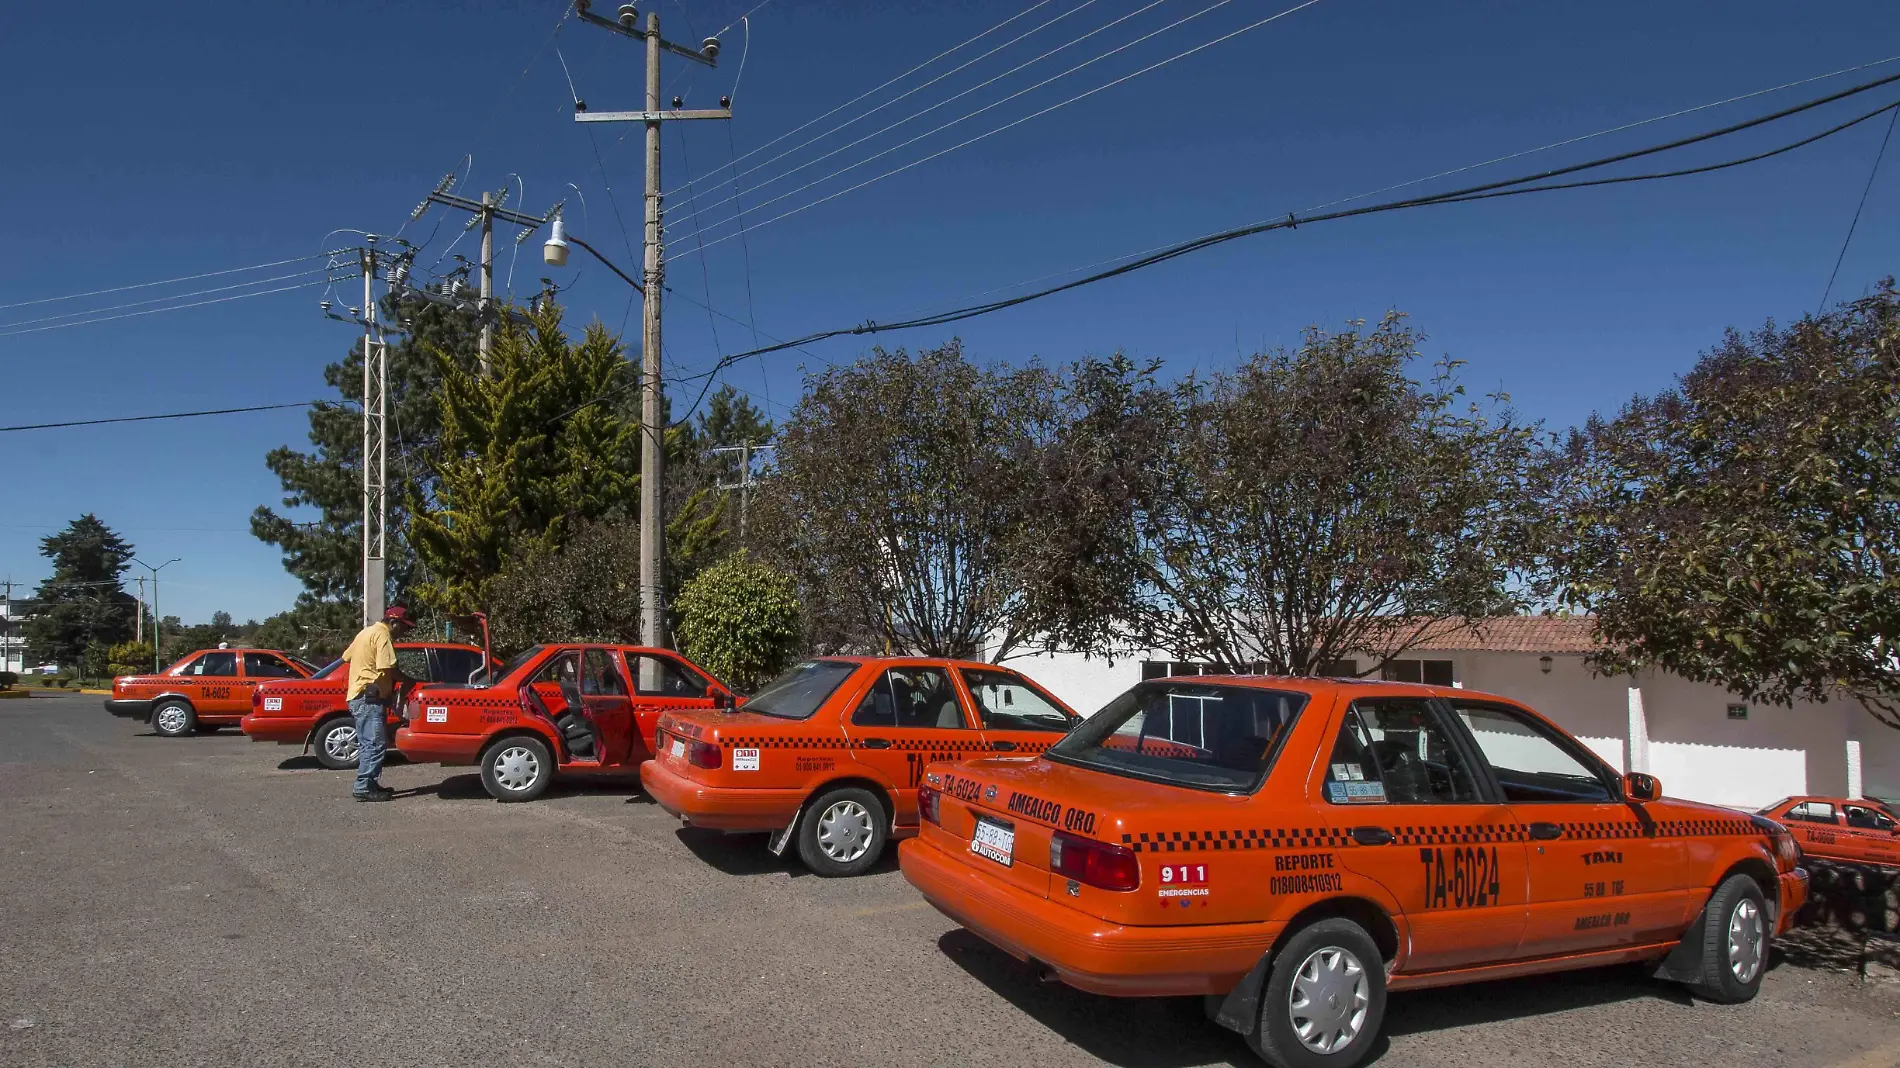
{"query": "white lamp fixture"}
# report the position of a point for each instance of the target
(554, 252)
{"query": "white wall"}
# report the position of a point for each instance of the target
(1593, 708)
(1085, 683)
(1879, 751)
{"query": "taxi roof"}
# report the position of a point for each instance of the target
(936, 660)
(1331, 684)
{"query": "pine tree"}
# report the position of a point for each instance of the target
(83, 604)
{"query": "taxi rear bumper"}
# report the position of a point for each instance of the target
(1084, 951)
(279, 729)
(719, 808)
(430, 747)
(1794, 894)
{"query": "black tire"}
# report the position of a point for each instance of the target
(1736, 931)
(333, 753)
(174, 718)
(517, 768)
(843, 832)
(1342, 951)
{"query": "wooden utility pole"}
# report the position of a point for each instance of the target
(652, 398)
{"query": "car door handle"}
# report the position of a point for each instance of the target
(1372, 836)
(1004, 746)
(876, 743)
(1544, 832)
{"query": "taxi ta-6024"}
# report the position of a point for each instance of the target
(1295, 848)
(831, 752)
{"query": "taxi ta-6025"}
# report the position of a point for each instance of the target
(1295, 848)
(208, 689)
(832, 751)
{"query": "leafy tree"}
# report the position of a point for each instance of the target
(523, 454)
(902, 488)
(1304, 506)
(317, 631)
(586, 590)
(740, 620)
(694, 473)
(129, 658)
(326, 553)
(83, 600)
(1743, 528)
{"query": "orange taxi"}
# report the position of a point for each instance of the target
(314, 714)
(832, 751)
(1295, 848)
(208, 689)
(568, 709)
(1840, 830)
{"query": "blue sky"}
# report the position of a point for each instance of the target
(148, 142)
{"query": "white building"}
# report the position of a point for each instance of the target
(12, 636)
(1703, 742)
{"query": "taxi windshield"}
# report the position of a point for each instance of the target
(798, 693)
(513, 665)
(1205, 737)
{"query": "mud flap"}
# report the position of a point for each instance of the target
(1684, 963)
(1238, 1010)
(784, 838)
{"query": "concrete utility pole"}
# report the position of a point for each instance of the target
(156, 653)
(652, 399)
(487, 219)
(486, 211)
(746, 480)
(138, 613)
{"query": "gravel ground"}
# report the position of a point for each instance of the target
(209, 900)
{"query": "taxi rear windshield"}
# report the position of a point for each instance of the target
(1221, 738)
(798, 693)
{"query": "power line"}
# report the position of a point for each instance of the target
(170, 281)
(1858, 208)
(1017, 122)
(874, 89)
(174, 296)
(155, 311)
(151, 418)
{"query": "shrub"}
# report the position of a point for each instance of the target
(740, 620)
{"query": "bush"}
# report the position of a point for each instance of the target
(7, 679)
(740, 620)
(59, 681)
(129, 658)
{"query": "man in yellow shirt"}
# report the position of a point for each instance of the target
(371, 665)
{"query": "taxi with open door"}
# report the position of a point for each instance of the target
(1841, 830)
(568, 709)
(208, 689)
(831, 752)
(1294, 848)
(313, 713)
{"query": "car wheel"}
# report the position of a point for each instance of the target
(1324, 1000)
(174, 719)
(1735, 937)
(335, 743)
(517, 769)
(843, 832)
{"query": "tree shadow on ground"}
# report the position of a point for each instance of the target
(470, 788)
(747, 854)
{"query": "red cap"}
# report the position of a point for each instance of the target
(398, 614)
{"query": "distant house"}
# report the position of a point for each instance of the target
(13, 617)
(1704, 743)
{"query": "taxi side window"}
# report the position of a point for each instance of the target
(1006, 701)
(1813, 812)
(658, 676)
(220, 664)
(1866, 819)
(266, 666)
(600, 677)
(413, 663)
(911, 697)
(1531, 766)
(1396, 751)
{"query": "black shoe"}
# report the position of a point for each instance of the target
(374, 793)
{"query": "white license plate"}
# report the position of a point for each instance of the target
(679, 747)
(994, 840)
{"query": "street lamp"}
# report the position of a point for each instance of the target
(156, 666)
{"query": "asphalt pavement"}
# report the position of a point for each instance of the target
(209, 900)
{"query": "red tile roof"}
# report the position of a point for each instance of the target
(1514, 634)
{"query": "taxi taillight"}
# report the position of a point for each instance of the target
(1097, 864)
(702, 754)
(257, 701)
(927, 804)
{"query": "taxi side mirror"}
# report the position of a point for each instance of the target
(1640, 787)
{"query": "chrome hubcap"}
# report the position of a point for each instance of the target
(340, 743)
(1328, 1003)
(516, 768)
(844, 831)
(171, 719)
(1745, 941)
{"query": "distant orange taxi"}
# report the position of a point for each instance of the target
(832, 751)
(1840, 830)
(1294, 848)
(208, 689)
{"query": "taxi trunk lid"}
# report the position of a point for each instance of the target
(1177, 877)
